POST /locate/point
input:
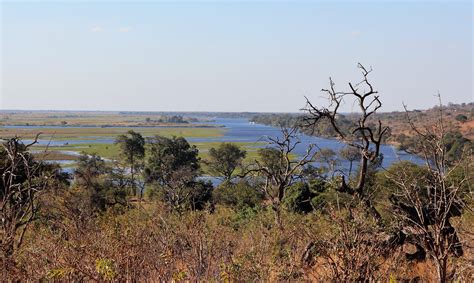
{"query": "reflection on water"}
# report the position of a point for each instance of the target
(61, 162)
(65, 142)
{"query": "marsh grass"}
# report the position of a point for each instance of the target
(81, 133)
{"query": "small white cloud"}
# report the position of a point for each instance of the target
(355, 33)
(125, 29)
(97, 29)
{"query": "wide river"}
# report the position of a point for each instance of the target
(241, 130)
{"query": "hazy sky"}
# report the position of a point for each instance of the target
(230, 56)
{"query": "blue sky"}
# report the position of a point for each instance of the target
(230, 56)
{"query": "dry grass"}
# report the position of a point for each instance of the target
(148, 243)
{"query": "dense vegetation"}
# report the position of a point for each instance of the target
(150, 216)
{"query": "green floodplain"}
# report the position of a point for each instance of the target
(75, 140)
(82, 133)
(64, 135)
(110, 151)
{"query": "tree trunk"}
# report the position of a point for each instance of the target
(132, 171)
(362, 174)
(7, 260)
(442, 269)
(277, 211)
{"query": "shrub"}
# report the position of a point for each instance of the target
(305, 197)
(461, 118)
(238, 195)
(194, 195)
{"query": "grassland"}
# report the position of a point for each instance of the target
(68, 142)
(111, 151)
(72, 133)
(54, 155)
(85, 118)
(92, 133)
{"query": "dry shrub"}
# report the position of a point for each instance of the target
(149, 243)
(153, 244)
(352, 248)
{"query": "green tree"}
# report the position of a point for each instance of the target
(167, 155)
(278, 169)
(173, 167)
(200, 194)
(304, 197)
(239, 195)
(350, 154)
(99, 182)
(455, 145)
(327, 157)
(132, 147)
(224, 159)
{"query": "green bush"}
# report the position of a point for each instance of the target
(200, 195)
(305, 197)
(455, 145)
(238, 195)
(461, 118)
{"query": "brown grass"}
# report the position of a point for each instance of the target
(149, 243)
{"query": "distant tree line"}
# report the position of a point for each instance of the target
(175, 119)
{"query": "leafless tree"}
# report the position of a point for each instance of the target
(22, 180)
(363, 137)
(278, 167)
(426, 204)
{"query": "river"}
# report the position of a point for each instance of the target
(241, 130)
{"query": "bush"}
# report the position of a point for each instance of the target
(238, 195)
(305, 197)
(455, 145)
(196, 195)
(200, 195)
(461, 118)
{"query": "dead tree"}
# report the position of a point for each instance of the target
(426, 204)
(278, 168)
(22, 180)
(363, 137)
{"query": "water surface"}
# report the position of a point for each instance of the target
(241, 130)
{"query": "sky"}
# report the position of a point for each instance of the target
(263, 56)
